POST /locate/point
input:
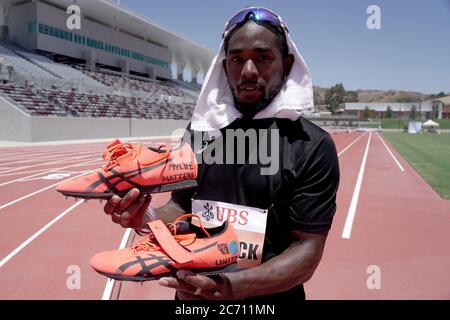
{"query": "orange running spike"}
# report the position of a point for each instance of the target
(156, 256)
(151, 170)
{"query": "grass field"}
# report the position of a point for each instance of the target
(396, 124)
(429, 154)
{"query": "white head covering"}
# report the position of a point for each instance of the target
(215, 105)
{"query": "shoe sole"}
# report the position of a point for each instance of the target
(145, 190)
(205, 272)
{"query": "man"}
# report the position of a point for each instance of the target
(258, 81)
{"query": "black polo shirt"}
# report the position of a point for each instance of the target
(300, 195)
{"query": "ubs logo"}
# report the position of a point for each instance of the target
(232, 215)
(222, 214)
(208, 213)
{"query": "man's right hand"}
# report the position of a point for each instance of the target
(129, 211)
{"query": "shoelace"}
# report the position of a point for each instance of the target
(115, 152)
(118, 150)
(149, 243)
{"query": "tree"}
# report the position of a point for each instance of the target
(388, 113)
(317, 100)
(351, 96)
(436, 96)
(413, 113)
(366, 113)
(334, 97)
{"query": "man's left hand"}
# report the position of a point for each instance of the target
(191, 286)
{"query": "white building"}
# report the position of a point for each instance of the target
(402, 109)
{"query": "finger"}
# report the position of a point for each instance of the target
(127, 200)
(115, 218)
(197, 280)
(111, 205)
(179, 285)
(133, 209)
(139, 219)
(181, 274)
(211, 289)
(185, 291)
(182, 295)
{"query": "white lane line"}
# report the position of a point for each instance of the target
(38, 191)
(54, 156)
(392, 155)
(24, 156)
(46, 163)
(37, 234)
(354, 203)
(22, 172)
(347, 147)
(49, 171)
(89, 142)
(110, 283)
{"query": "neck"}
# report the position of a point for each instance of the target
(248, 115)
(249, 111)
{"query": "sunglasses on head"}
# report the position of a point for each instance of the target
(255, 14)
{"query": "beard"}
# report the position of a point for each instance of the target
(250, 110)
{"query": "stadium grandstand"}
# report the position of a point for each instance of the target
(112, 73)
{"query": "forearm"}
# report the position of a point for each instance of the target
(168, 213)
(294, 266)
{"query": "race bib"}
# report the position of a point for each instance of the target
(248, 222)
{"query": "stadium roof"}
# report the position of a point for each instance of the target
(184, 51)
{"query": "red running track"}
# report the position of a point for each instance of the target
(399, 229)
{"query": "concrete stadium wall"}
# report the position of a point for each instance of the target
(14, 123)
(143, 128)
(52, 129)
(17, 126)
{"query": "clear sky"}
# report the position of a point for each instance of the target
(410, 52)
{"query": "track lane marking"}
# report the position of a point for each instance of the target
(51, 158)
(55, 153)
(49, 171)
(37, 234)
(354, 203)
(39, 191)
(46, 163)
(392, 155)
(348, 147)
